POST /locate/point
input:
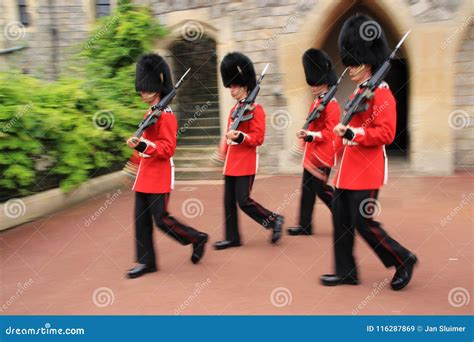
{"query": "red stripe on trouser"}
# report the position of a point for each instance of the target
(381, 239)
(178, 230)
(383, 242)
(166, 202)
(258, 206)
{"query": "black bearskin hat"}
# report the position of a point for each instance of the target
(362, 41)
(318, 68)
(236, 68)
(153, 75)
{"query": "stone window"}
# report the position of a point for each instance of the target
(102, 8)
(23, 13)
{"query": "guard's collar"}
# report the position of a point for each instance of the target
(363, 84)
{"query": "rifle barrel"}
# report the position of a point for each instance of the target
(181, 79)
(265, 69)
(394, 52)
(342, 75)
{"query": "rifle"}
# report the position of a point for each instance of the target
(360, 102)
(158, 108)
(316, 112)
(239, 114)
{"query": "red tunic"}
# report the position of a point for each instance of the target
(242, 159)
(321, 152)
(364, 161)
(156, 169)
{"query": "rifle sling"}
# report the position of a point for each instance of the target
(246, 117)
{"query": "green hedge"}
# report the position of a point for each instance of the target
(67, 131)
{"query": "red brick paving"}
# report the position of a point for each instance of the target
(67, 260)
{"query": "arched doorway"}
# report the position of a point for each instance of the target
(461, 118)
(398, 78)
(197, 101)
(196, 107)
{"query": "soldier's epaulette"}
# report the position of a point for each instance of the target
(168, 110)
(254, 105)
(333, 100)
(383, 85)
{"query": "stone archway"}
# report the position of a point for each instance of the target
(198, 104)
(196, 107)
(320, 30)
(197, 100)
(398, 78)
(461, 119)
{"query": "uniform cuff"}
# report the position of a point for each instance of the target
(141, 147)
(311, 136)
(240, 138)
(359, 132)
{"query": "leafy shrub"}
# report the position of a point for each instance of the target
(65, 132)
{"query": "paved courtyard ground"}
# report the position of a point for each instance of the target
(69, 263)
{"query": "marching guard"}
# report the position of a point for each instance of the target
(318, 140)
(155, 176)
(363, 166)
(239, 149)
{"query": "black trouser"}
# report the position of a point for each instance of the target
(237, 190)
(351, 209)
(154, 206)
(311, 187)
